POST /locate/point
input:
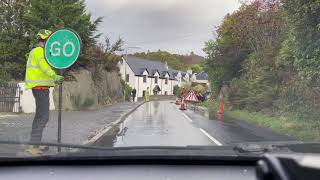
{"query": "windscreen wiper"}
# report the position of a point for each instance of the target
(90, 147)
(260, 148)
(61, 145)
(136, 155)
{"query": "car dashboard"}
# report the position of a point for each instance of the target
(125, 172)
(167, 166)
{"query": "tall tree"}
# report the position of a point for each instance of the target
(13, 36)
(20, 20)
(103, 56)
(304, 32)
(254, 28)
(196, 68)
(55, 14)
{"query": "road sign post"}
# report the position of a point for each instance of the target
(61, 51)
(60, 111)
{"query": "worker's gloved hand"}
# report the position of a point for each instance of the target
(58, 78)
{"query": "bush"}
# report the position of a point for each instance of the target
(127, 92)
(4, 75)
(237, 94)
(76, 101)
(88, 102)
(176, 90)
(11, 70)
(199, 89)
(301, 99)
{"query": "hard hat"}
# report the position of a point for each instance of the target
(43, 34)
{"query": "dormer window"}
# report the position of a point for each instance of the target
(144, 79)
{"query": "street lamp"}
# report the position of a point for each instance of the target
(125, 69)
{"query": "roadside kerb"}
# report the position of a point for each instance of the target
(113, 125)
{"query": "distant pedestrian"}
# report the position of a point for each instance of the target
(39, 77)
(147, 95)
(155, 90)
(134, 93)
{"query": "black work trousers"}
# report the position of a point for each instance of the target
(41, 117)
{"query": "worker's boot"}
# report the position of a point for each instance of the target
(32, 150)
(44, 148)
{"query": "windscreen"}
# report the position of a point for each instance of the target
(164, 73)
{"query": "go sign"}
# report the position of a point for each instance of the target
(62, 48)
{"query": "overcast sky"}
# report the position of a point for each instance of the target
(178, 26)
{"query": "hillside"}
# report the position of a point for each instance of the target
(175, 61)
(190, 59)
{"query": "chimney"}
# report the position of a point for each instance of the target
(166, 64)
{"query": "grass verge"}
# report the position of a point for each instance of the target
(289, 125)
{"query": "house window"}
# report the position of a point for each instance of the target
(156, 80)
(144, 79)
(127, 77)
(166, 81)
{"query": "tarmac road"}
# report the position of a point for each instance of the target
(161, 123)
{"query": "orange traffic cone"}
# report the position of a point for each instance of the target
(182, 106)
(221, 108)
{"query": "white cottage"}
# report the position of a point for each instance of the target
(142, 73)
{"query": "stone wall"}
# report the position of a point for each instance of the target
(86, 94)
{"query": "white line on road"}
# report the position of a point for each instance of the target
(183, 114)
(187, 117)
(210, 137)
(202, 130)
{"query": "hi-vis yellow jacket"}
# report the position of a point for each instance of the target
(38, 71)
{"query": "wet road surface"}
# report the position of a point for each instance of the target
(156, 123)
(232, 131)
(161, 123)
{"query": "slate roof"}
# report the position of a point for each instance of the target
(138, 65)
(163, 73)
(153, 72)
(173, 73)
(184, 73)
(202, 76)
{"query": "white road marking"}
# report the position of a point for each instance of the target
(183, 114)
(202, 130)
(210, 137)
(187, 117)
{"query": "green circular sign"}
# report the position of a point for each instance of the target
(62, 48)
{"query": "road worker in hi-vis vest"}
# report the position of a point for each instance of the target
(39, 78)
